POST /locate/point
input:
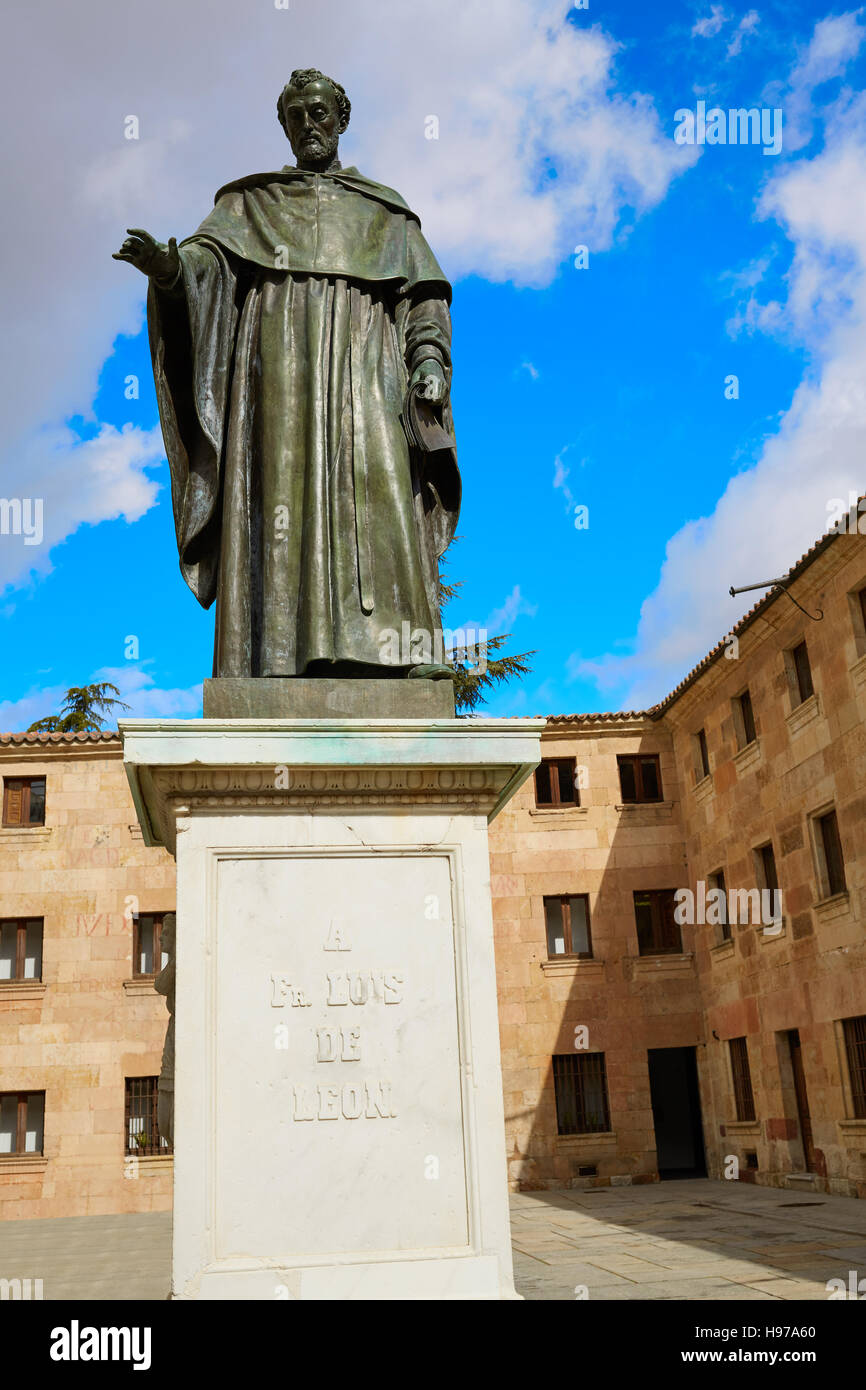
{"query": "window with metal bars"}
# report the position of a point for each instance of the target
(22, 1122)
(743, 1096)
(20, 948)
(640, 777)
(658, 932)
(566, 918)
(555, 783)
(140, 1121)
(855, 1047)
(148, 957)
(832, 863)
(580, 1086)
(23, 801)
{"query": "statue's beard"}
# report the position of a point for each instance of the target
(317, 150)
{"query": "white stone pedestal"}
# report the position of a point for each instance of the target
(338, 1104)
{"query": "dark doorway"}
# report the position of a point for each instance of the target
(676, 1104)
(803, 1114)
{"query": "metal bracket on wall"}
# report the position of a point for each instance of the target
(778, 584)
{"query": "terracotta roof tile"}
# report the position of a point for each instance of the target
(88, 736)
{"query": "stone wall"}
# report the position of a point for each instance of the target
(88, 1026)
(808, 757)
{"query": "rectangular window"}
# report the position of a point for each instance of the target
(640, 777)
(657, 932)
(580, 1084)
(855, 1047)
(747, 718)
(703, 754)
(717, 880)
(21, 948)
(743, 1096)
(148, 957)
(802, 673)
(567, 922)
(555, 783)
(22, 1122)
(831, 862)
(766, 865)
(142, 1131)
(23, 801)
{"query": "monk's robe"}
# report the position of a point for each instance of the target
(282, 353)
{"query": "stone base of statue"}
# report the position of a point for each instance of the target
(338, 1101)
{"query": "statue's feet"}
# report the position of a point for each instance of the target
(432, 671)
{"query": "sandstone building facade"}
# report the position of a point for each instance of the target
(657, 1045)
(644, 1033)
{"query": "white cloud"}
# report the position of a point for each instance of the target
(137, 689)
(835, 42)
(515, 605)
(78, 482)
(561, 475)
(709, 25)
(771, 514)
(516, 95)
(747, 25)
(147, 700)
(18, 715)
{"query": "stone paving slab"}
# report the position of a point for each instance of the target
(696, 1240)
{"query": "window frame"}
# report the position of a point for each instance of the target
(744, 720)
(828, 885)
(717, 879)
(565, 900)
(741, 1079)
(21, 924)
(800, 667)
(555, 784)
(156, 1146)
(24, 1098)
(635, 760)
(25, 787)
(660, 898)
(855, 1056)
(702, 750)
(567, 1070)
(158, 925)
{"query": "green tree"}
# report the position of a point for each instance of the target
(477, 671)
(84, 707)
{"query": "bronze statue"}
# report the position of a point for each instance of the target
(301, 352)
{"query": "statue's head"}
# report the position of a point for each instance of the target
(314, 111)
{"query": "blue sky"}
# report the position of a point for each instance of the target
(602, 386)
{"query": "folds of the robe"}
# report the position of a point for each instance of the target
(299, 506)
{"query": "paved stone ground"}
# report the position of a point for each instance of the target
(685, 1240)
(680, 1240)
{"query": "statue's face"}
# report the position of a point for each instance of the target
(313, 120)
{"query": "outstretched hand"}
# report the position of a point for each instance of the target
(150, 256)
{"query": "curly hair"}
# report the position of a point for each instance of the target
(301, 78)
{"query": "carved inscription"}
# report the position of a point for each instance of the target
(341, 1042)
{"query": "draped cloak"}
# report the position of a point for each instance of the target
(281, 357)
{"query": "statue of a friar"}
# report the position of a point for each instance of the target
(301, 353)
